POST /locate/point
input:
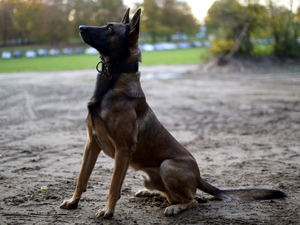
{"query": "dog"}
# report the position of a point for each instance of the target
(122, 124)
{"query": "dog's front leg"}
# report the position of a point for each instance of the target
(90, 156)
(122, 158)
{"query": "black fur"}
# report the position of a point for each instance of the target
(103, 85)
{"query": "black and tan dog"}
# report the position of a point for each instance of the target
(121, 123)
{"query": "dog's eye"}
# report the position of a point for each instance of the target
(109, 28)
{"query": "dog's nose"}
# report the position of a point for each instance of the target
(82, 27)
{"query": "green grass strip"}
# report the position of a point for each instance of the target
(77, 62)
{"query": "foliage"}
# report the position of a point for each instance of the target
(26, 17)
(148, 23)
(221, 46)
(6, 21)
(94, 13)
(285, 28)
(55, 21)
(227, 18)
(166, 17)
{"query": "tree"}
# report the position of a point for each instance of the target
(227, 18)
(54, 25)
(149, 21)
(26, 19)
(285, 29)
(165, 17)
(53, 21)
(177, 16)
(7, 30)
(224, 18)
(94, 13)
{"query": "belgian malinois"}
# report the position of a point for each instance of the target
(122, 124)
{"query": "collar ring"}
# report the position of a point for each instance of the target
(100, 71)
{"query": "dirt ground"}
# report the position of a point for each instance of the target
(243, 129)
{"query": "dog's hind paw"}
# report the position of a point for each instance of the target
(106, 214)
(69, 204)
(174, 210)
(144, 193)
(147, 193)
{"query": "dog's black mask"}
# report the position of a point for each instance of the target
(113, 41)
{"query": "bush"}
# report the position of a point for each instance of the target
(221, 46)
(287, 48)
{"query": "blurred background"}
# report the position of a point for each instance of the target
(172, 31)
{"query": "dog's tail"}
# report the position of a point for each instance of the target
(241, 194)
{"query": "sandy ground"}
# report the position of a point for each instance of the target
(243, 130)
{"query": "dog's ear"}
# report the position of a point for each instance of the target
(135, 27)
(135, 22)
(126, 17)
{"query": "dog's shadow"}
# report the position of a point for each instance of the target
(161, 202)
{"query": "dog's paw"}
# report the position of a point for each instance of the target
(144, 193)
(173, 211)
(105, 213)
(69, 204)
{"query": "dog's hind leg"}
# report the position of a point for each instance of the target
(153, 184)
(180, 178)
(90, 156)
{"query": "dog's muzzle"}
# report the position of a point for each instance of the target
(82, 28)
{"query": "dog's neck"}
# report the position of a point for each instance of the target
(127, 65)
(119, 84)
(129, 85)
(135, 55)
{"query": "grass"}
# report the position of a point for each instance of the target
(75, 62)
(49, 63)
(178, 56)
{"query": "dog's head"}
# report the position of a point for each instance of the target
(116, 42)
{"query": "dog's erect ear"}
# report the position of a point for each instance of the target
(126, 17)
(135, 22)
(135, 26)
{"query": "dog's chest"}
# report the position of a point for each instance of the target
(101, 134)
